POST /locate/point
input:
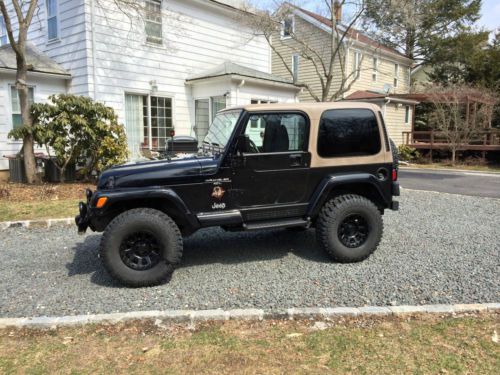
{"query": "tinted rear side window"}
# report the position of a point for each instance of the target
(348, 132)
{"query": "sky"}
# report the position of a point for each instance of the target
(490, 14)
(490, 11)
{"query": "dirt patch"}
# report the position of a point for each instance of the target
(23, 193)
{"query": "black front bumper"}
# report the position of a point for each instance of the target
(82, 220)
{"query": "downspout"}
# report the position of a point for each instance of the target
(92, 26)
(387, 101)
(241, 84)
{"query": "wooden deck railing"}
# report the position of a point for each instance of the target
(487, 140)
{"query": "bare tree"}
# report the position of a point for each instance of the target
(459, 113)
(325, 49)
(24, 11)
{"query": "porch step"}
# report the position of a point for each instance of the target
(273, 224)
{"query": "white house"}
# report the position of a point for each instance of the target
(45, 78)
(165, 65)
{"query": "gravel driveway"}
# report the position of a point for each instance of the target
(438, 248)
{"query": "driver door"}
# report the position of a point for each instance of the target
(275, 171)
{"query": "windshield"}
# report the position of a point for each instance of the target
(221, 129)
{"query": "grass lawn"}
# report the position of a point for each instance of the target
(10, 211)
(482, 168)
(421, 345)
(45, 201)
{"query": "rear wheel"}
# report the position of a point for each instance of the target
(349, 228)
(140, 247)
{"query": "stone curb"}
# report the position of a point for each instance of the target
(490, 173)
(182, 316)
(37, 223)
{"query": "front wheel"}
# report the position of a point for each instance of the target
(349, 228)
(140, 247)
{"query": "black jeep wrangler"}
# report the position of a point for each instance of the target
(325, 165)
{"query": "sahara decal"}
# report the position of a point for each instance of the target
(218, 180)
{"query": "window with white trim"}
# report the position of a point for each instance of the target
(52, 20)
(356, 64)
(148, 121)
(407, 114)
(17, 121)
(396, 75)
(153, 21)
(375, 69)
(3, 33)
(295, 67)
(288, 27)
(218, 104)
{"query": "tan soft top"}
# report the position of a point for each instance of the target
(314, 109)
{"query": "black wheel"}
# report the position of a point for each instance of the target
(349, 228)
(395, 155)
(140, 247)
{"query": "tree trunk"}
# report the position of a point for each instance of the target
(27, 121)
(453, 156)
(62, 173)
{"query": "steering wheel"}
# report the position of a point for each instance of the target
(253, 146)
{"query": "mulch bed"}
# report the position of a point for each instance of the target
(43, 192)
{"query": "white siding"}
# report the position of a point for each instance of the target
(43, 88)
(71, 50)
(197, 37)
(110, 57)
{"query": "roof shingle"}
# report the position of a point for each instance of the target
(39, 61)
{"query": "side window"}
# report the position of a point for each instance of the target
(287, 27)
(52, 22)
(348, 132)
(153, 21)
(3, 32)
(278, 132)
(17, 121)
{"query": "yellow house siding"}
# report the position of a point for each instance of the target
(385, 73)
(394, 115)
(318, 40)
(420, 78)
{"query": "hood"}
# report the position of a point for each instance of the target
(157, 172)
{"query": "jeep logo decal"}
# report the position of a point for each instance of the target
(218, 192)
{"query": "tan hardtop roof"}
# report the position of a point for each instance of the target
(311, 108)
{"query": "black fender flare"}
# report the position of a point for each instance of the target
(129, 194)
(331, 182)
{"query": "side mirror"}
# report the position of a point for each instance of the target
(243, 143)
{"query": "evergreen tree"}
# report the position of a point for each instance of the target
(419, 27)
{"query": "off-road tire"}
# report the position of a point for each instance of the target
(165, 231)
(395, 155)
(333, 214)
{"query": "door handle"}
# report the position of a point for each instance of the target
(295, 160)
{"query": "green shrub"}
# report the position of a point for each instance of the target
(408, 153)
(75, 128)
